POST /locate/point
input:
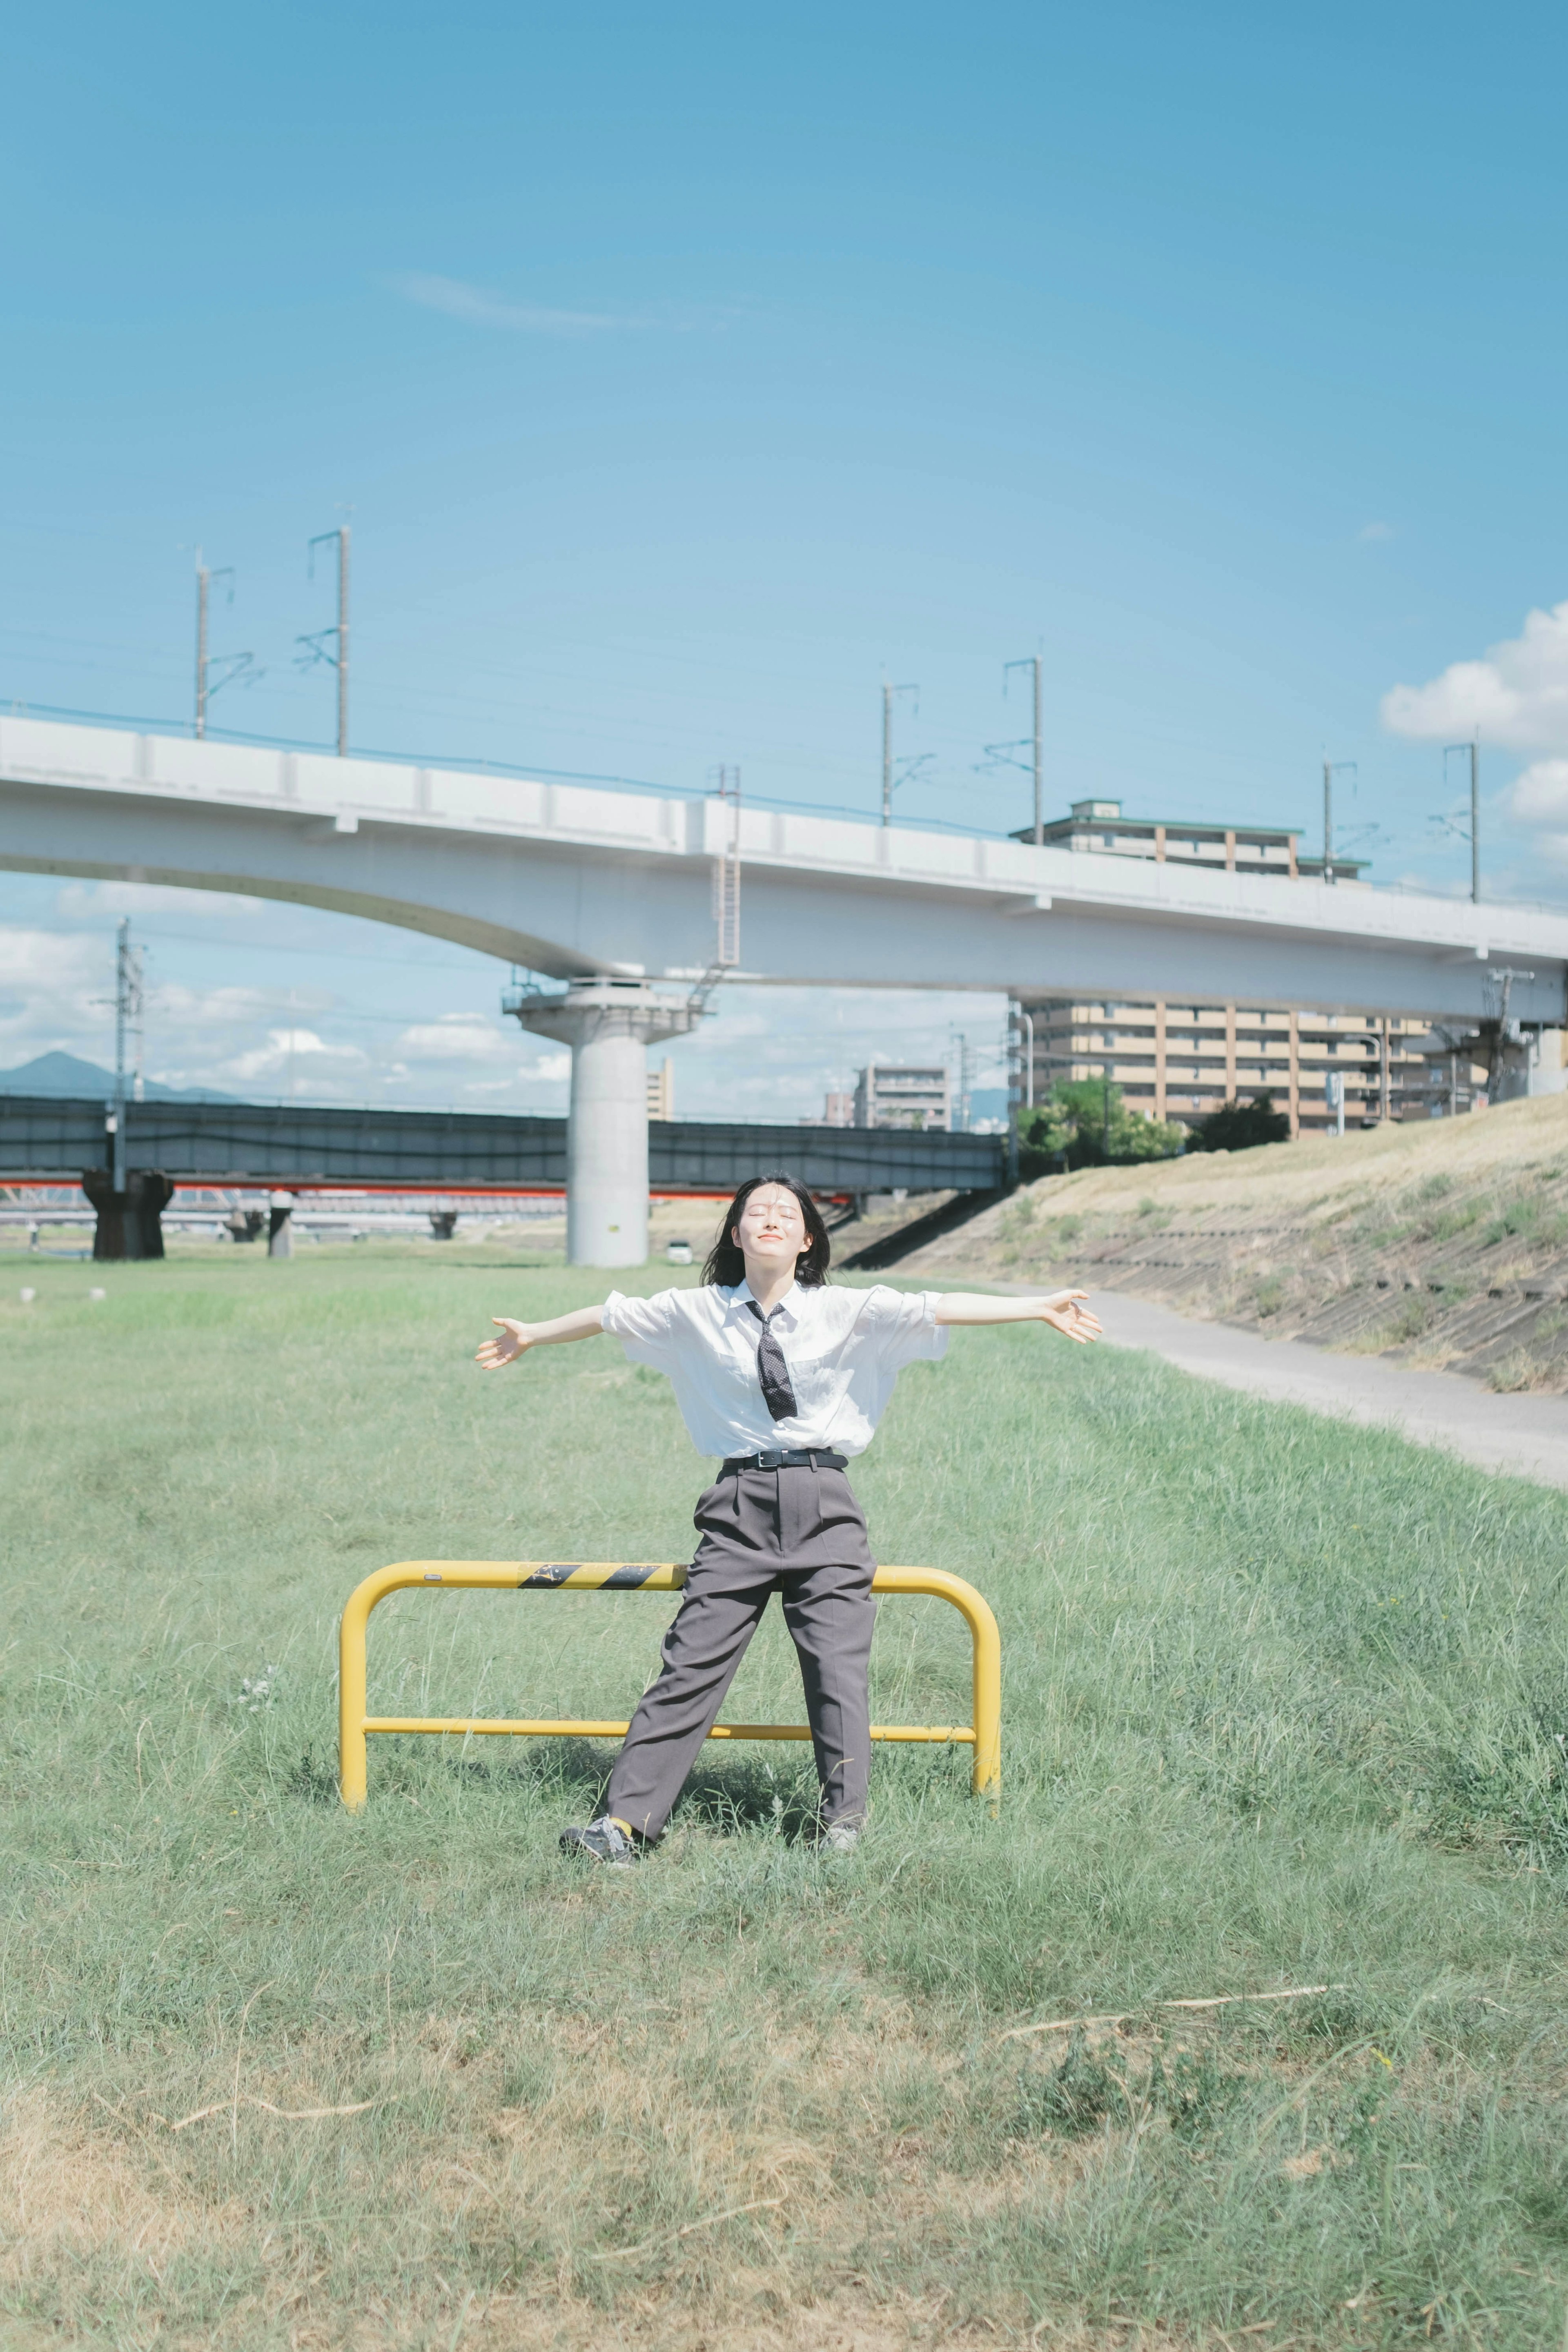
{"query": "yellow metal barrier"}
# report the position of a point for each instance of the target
(984, 1734)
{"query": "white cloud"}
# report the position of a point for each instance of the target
(1517, 695)
(1376, 531)
(552, 1067)
(48, 961)
(1540, 795)
(53, 992)
(456, 1037)
(477, 308)
(286, 1045)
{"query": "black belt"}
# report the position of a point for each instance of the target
(793, 1457)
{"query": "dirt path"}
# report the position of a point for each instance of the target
(1526, 1436)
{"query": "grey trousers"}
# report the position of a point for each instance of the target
(798, 1532)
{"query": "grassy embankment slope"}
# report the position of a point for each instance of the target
(1442, 1245)
(1286, 1705)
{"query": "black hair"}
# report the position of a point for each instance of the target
(726, 1264)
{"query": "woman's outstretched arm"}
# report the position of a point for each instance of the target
(1063, 1309)
(585, 1323)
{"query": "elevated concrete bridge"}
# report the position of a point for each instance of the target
(573, 880)
(611, 890)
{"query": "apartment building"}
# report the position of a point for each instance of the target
(661, 1090)
(1178, 1062)
(1100, 827)
(903, 1094)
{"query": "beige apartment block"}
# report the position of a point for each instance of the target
(1179, 1061)
(661, 1090)
(1099, 827)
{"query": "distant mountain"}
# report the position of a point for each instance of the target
(68, 1074)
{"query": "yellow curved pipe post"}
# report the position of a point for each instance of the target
(987, 1644)
(596, 1576)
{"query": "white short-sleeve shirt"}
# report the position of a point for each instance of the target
(844, 1349)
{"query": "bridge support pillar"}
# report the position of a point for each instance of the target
(130, 1222)
(609, 1025)
(280, 1227)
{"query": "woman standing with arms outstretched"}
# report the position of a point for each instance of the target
(783, 1379)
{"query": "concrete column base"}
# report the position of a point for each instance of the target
(609, 1025)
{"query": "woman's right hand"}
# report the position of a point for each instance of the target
(516, 1337)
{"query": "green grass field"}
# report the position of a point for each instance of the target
(1286, 1703)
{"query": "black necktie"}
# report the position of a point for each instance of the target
(772, 1369)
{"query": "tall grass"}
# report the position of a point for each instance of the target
(1286, 1705)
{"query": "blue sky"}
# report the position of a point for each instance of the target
(687, 373)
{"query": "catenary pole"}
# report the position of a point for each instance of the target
(1039, 807)
(1005, 751)
(232, 665)
(1331, 769)
(1474, 748)
(339, 633)
(887, 694)
(127, 1026)
(343, 641)
(204, 581)
(122, 1010)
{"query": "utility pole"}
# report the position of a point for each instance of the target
(338, 659)
(204, 581)
(1332, 768)
(128, 1028)
(1032, 664)
(887, 694)
(1502, 976)
(1474, 747)
(241, 661)
(961, 1109)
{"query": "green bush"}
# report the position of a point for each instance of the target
(1239, 1126)
(1086, 1124)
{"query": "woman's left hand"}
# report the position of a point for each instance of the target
(1066, 1313)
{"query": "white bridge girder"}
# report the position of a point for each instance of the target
(573, 880)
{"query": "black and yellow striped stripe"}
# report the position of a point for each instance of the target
(587, 1576)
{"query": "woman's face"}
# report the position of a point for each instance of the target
(771, 1230)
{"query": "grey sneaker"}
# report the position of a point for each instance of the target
(603, 1840)
(839, 1837)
